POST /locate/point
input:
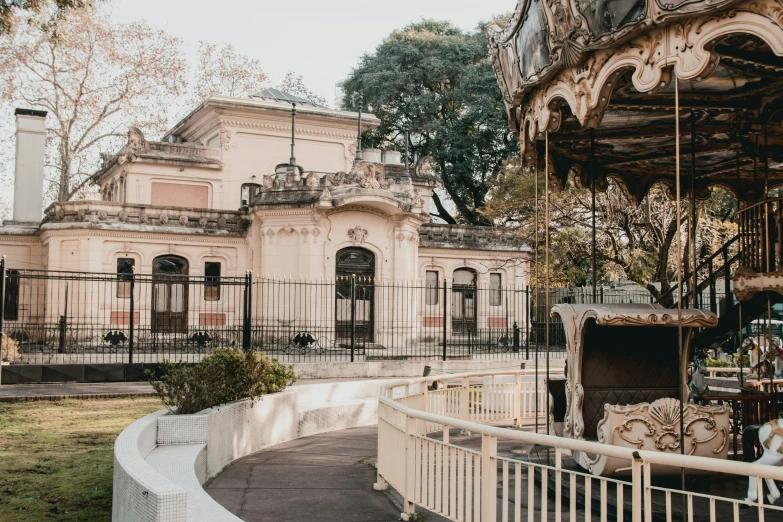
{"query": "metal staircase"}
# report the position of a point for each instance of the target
(757, 248)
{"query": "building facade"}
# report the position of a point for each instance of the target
(224, 194)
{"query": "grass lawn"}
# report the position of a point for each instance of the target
(56, 458)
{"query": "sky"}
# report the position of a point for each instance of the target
(320, 40)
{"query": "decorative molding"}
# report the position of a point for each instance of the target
(358, 235)
(135, 146)
(287, 129)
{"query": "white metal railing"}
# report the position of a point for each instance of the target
(417, 456)
(722, 372)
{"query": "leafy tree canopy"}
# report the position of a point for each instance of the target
(12, 10)
(634, 242)
(436, 81)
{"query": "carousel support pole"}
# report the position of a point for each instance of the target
(546, 265)
(592, 190)
(741, 375)
(694, 278)
(535, 294)
(681, 363)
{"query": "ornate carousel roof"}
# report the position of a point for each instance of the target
(604, 70)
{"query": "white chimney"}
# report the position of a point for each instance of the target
(30, 151)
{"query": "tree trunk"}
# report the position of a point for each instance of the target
(442, 212)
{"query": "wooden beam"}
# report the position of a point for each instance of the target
(626, 133)
(659, 154)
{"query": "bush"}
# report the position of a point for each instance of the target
(225, 375)
(9, 349)
(718, 363)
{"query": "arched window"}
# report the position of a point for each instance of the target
(463, 302)
(355, 294)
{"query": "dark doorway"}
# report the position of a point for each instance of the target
(463, 302)
(169, 295)
(355, 272)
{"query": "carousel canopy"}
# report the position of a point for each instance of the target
(599, 76)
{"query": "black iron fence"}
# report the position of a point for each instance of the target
(54, 317)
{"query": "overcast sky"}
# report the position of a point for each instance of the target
(318, 39)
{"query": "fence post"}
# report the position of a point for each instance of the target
(63, 324)
(445, 317)
(489, 477)
(518, 399)
(353, 315)
(464, 398)
(249, 316)
(130, 320)
(408, 506)
(2, 300)
(637, 490)
(527, 323)
(516, 337)
(245, 309)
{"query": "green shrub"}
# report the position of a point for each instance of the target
(221, 377)
(718, 363)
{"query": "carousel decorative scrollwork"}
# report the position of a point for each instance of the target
(661, 421)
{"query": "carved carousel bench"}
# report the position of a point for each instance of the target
(656, 427)
(623, 358)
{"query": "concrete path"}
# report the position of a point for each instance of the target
(325, 477)
(91, 390)
(72, 390)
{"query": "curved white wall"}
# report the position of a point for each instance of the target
(160, 461)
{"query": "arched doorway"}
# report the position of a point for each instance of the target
(169, 294)
(463, 302)
(355, 294)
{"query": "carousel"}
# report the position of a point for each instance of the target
(634, 93)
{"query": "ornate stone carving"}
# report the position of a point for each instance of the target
(425, 167)
(221, 221)
(313, 181)
(163, 218)
(183, 220)
(202, 222)
(358, 235)
(136, 145)
(102, 215)
(225, 138)
(144, 218)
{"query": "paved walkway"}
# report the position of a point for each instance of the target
(325, 477)
(88, 390)
(72, 390)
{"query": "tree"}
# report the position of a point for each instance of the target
(12, 10)
(294, 84)
(224, 72)
(637, 242)
(437, 81)
(95, 78)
